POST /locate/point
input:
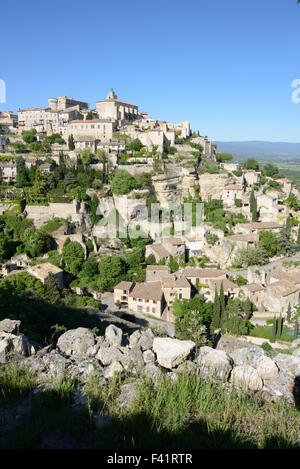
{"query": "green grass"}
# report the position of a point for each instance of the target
(15, 382)
(267, 333)
(186, 414)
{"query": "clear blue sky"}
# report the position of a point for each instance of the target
(227, 66)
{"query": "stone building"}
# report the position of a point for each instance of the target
(116, 110)
(8, 122)
(203, 276)
(42, 271)
(230, 193)
(156, 273)
(101, 129)
(8, 172)
(147, 298)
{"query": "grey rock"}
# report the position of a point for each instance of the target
(294, 344)
(127, 395)
(112, 369)
(21, 345)
(172, 352)
(10, 325)
(266, 368)
(4, 348)
(107, 355)
(146, 340)
(280, 388)
(152, 371)
(76, 341)
(247, 377)
(114, 335)
(214, 363)
(134, 338)
(247, 356)
(149, 356)
(288, 364)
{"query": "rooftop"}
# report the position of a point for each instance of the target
(147, 291)
(43, 270)
(203, 273)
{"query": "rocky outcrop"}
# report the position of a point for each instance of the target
(79, 353)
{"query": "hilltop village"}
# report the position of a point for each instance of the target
(68, 171)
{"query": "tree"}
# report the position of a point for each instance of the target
(271, 170)
(29, 136)
(122, 182)
(268, 241)
(71, 143)
(102, 156)
(22, 177)
(37, 243)
(52, 291)
(222, 302)
(284, 238)
(296, 329)
(251, 163)
(73, 256)
(253, 206)
(85, 155)
(111, 271)
(70, 181)
(224, 157)
(5, 247)
(216, 319)
(89, 271)
(248, 309)
(39, 188)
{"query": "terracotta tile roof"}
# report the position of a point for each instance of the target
(175, 281)
(116, 101)
(203, 273)
(284, 288)
(160, 250)
(254, 287)
(227, 285)
(246, 238)
(291, 276)
(43, 270)
(261, 225)
(124, 285)
(158, 267)
(174, 241)
(147, 291)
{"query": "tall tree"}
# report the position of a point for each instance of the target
(52, 291)
(253, 206)
(71, 142)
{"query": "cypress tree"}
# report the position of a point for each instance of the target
(279, 327)
(289, 311)
(253, 206)
(248, 309)
(215, 324)
(222, 304)
(298, 237)
(296, 330)
(71, 142)
(274, 331)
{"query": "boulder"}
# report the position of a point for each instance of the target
(114, 335)
(247, 377)
(22, 345)
(146, 340)
(76, 341)
(279, 388)
(110, 371)
(247, 356)
(134, 338)
(149, 356)
(188, 367)
(127, 395)
(214, 363)
(266, 368)
(152, 371)
(4, 348)
(288, 364)
(10, 325)
(107, 355)
(172, 352)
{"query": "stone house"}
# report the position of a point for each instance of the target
(147, 298)
(122, 291)
(158, 251)
(8, 121)
(42, 271)
(255, 227)
(252, 177)
(230, 288)
(287, 185)
(203, 276)
(8, 171)
(156, 273)
(255, 292)
(279, 295)
(175, 286)
(175, 246)
(101, 129)
(230, 193)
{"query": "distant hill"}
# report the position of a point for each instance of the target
(260, 150)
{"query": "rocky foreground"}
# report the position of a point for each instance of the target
(79, 353)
